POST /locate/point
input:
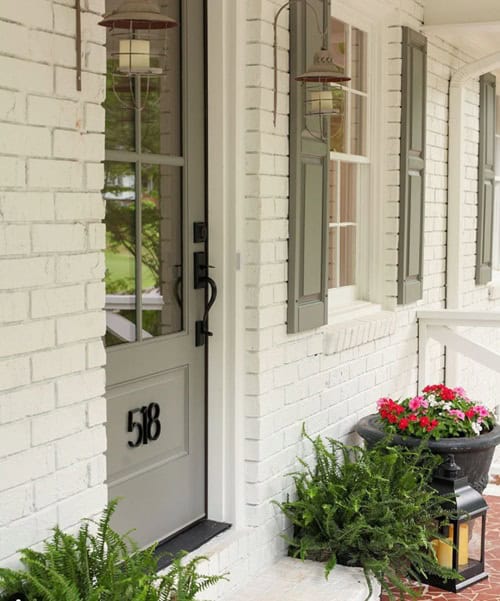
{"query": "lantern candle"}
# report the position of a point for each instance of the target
(321, 102)
(445, 550)
(134, 55)
(463, 544)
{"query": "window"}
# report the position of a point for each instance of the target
(349, 163)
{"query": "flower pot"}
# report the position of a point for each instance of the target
(473, 455)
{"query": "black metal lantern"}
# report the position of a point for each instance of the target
(465, 531)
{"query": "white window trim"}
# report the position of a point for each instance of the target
(370, 265)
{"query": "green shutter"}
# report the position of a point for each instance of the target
(308, 242)
(486, 187)
(412, 166)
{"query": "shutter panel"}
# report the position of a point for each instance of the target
(486, 186)
(412, 166)
(308, 215)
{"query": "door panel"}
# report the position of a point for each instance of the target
(155, 191)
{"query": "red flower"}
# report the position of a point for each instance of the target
(447, 394)
(392, 418)
(412, 418)
(424, 421)
(403, 423)
(470, 413)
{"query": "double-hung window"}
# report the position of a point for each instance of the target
(349, 166)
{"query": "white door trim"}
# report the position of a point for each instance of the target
(226, 175)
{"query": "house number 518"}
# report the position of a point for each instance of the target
(147, 427)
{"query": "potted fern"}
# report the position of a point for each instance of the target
(371, 508)
(104, 566)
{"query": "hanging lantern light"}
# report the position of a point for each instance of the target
(321, 97)
(138, 41)
(463, 549)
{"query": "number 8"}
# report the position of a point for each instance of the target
(153, 415)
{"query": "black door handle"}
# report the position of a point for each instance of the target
(202, 280)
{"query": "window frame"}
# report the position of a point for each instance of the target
(371, 172)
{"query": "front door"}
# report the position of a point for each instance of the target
(155, 192)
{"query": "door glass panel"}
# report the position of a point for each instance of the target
(161, 117)
(348, 194)
(119, 194)
(161, 271)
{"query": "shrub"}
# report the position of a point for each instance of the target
(372, 508)
(104, 566)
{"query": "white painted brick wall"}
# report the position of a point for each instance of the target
(52, 410)
(329, 378)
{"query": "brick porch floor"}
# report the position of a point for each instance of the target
(486, 590)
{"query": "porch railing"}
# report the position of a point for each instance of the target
(441, 326)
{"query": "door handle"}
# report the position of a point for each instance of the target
(202, 280)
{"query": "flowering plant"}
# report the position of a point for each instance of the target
(439, 412)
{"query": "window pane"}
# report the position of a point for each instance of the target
(333, 254)
(161, 270)
(161, 117)
(338, 36)
(348, 192)
(347, 255)
(119, 112)
(337, 122)
(333, 210)
(119, 193)
(357, 119)
(358, 60)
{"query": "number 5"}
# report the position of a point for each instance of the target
(133, 424)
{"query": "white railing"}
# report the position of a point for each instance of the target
(440, 326)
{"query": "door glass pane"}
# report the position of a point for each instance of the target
(161, 271)
(119, 194)
(161, 117)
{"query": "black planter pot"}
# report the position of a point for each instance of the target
(473, 455)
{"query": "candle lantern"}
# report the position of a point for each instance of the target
(138, 43)
(321, 99)
(463, 549)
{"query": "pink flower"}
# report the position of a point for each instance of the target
(418, 402)
(382, 402)
(457, 413)
(481, 410)
(460, 391)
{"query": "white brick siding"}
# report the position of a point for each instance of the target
(52, 410)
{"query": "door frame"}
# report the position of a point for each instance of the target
(226, 40)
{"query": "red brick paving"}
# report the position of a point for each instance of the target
(486, 590)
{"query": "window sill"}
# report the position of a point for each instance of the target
(494, 290)
(360, 324)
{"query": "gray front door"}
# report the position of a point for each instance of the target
(154, 192)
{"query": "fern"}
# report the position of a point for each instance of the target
(104, 566)
(370, 508)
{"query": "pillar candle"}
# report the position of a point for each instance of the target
(134, 54)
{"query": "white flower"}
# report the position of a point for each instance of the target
(432, 399)
(446, 406)
(433, 403)
(476, 427)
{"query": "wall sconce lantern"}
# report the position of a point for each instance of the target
(321, 98)
(138, 42)
(465, 532)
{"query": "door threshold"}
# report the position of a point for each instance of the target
(189, 539)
